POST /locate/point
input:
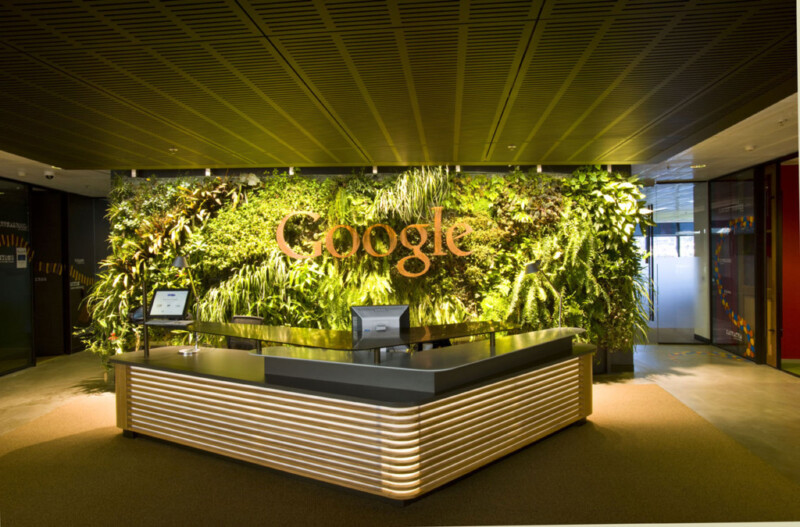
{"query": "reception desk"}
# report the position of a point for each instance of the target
(397, 429)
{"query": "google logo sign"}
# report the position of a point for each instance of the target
(449, 237)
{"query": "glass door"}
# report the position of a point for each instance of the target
(733, 250)
(679, 262)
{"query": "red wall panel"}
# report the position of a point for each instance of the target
(790, 343)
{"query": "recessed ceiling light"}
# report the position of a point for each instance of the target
(697, 166)
(749, 148)
(173, 150)
(512, 147)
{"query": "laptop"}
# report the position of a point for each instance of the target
(168, 308)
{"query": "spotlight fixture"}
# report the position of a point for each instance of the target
(458, 168)
(291, 171)
(133, 172)
(538, 169)
(374, 169)
(208, 172)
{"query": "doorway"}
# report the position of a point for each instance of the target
(677, 266)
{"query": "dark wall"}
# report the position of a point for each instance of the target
(16, 326)
(69, 238)
(47, 233)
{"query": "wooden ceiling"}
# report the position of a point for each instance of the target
(233, 83)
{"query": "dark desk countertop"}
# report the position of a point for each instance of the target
(329, 339)
(401, 379)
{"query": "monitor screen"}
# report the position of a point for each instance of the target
(379, 321)
(169, 303)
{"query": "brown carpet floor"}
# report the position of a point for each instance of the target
(643, 457)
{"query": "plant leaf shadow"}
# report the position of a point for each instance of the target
(95, 385)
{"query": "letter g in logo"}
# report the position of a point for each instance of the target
(317, 246)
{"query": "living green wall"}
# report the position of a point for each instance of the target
(580, 226)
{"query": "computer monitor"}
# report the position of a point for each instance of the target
(169, 304)
(379, 321)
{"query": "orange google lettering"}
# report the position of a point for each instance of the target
(450, 237)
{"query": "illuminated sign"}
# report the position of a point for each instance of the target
(450, 237)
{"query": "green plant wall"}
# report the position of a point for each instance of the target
(581, 227)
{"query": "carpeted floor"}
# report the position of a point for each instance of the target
(643, 458)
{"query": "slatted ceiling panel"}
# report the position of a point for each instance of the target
(725, 99)
(174, 97)
(597, 76)
(288, 17)
(358, 15)
(209, 20)
(702, 98)
(324, 68)
(271, 83)
(435, 77)
(545, 105)
(584, 8)
(56, 104)
(86, 68)
(425, 13)
(154, 22)
(693, 34)
(377, 59)
(26, 138)
(490, 60)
